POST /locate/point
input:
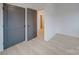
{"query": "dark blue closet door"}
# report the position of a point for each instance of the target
(31, 24)
(15, 25)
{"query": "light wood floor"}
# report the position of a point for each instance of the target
(59, 45)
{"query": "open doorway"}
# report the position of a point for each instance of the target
(40, 24)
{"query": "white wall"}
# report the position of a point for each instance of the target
(68, 14)
(26, 24)
(61, 18)
(1, 27)
(51, 25)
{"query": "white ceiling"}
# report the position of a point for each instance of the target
(36, 6)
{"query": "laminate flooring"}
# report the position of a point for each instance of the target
(58, 45)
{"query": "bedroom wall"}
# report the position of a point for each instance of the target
(51, 24)
(61, 18)
(68, 14)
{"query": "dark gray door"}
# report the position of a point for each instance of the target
(14, 25)
(31, 24)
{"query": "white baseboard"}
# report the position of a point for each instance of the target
(69, 35)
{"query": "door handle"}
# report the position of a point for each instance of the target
(24, 26)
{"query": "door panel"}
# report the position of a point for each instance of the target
(31, 24)
(15, 25)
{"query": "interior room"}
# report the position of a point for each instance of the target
(39, 28)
